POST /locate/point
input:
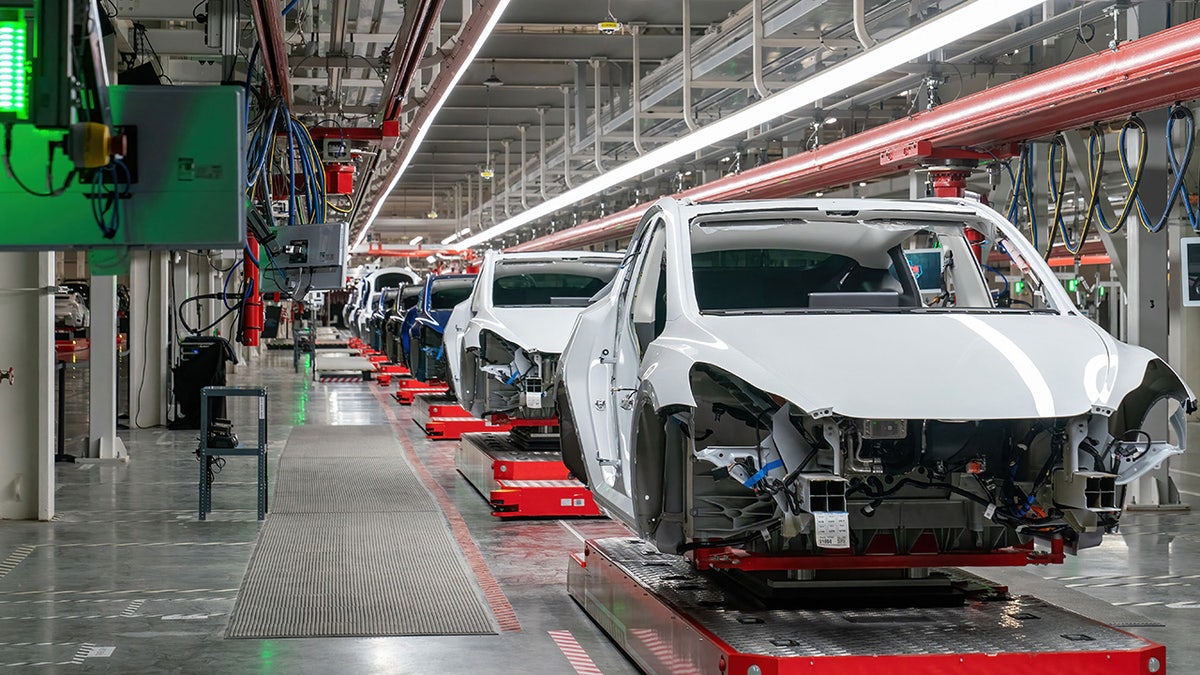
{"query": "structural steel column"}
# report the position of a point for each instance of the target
(27, 406)
(148, 339)
(1147, 291)
(103, 442)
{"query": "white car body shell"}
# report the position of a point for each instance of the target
(368, 298)
(871, 366)
(545, 330)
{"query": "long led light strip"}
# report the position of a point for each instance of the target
(419, 137)
(14, 99)
(929, 36)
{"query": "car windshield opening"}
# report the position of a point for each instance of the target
(446, 293)
(849, 266)
(564, 283)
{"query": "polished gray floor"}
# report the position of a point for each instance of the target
(126, 580)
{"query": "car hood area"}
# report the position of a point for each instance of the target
(952, 366)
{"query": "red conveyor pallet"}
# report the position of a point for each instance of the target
(411, 388)
(542, 498)
(521, 483)
(453, 428)
(670, 619)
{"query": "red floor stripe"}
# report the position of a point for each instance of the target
(505, 615)
(579, 659)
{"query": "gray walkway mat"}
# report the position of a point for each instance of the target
(347, 485)
(355, 546)
(342, 441)
(1053, 592)
(375, 574)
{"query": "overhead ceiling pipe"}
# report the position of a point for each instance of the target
(860, 24)
(524, 195)
(1144, 74)
(337, 44)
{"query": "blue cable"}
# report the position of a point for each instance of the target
(1178, 189)
(762, 473)
(225, 286)
(290, 6)
(291, 173)
(1124, 158)
(249, 77)
(253, 258)
(995, 271)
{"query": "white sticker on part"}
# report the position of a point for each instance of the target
(533, 399)
(262, 408)
(833, 529)
(579, 503)
(566, 501)
(989, 511)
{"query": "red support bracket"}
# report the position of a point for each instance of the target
(920, 556)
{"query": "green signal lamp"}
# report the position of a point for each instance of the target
(1072, 285)
(1019, 287)
(14, 64)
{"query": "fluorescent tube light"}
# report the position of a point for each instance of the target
(416, 240)
(927, 37)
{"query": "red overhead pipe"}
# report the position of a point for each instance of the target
(471, 33)
(268, 23)
(1144, 74)
(411, 40)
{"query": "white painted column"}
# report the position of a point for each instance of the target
(103, 442)
(148, 337)
(27, 283)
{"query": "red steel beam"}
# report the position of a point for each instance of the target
(471, 33)
(268, 22)
(1144, 74)
(411, 40)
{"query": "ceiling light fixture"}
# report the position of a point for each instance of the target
(416, 240)
(492, 80)
(609, 24)
(929, 36)
(435, 108)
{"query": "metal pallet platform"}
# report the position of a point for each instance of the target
(338, 366)
(521, 483)
(441, 418)
(669, 618)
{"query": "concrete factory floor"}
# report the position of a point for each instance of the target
(127, 580)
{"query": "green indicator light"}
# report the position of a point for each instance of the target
(1072, 285)
(1102, 291)
(14, 98)
(1019, 287)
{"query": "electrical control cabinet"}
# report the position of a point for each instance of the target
(186, 185)
(308, 258)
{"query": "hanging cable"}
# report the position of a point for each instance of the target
(1178, 189)
(1132, 178)
(1056, 179)
(1095, 167)
(1026, 169)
